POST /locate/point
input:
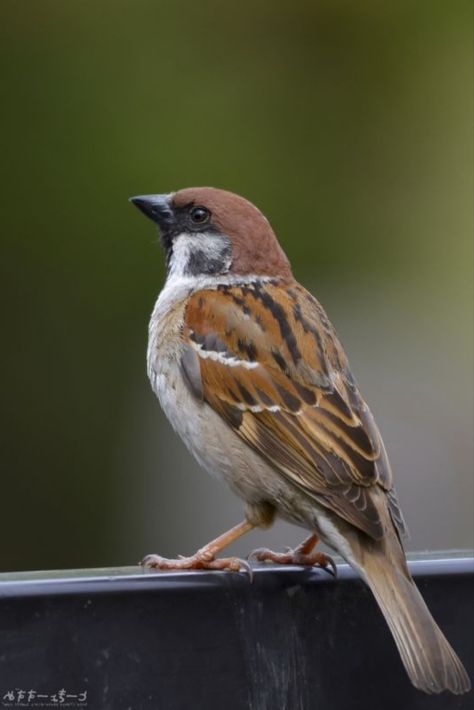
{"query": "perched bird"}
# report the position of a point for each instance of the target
(250, 373)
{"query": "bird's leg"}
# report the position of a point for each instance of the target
(205, 557)
(303, 554)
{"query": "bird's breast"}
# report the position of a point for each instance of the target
(212, 442)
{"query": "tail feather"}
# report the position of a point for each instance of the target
(430, 662)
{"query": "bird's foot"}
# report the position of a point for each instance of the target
(201, 560)
(302, 555)
(205, 558)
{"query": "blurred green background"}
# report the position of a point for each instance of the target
(348, 124)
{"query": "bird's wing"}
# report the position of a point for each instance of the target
(265, 357)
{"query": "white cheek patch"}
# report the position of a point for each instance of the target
(196, 254)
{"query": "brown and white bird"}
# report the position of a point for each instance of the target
(250, 373)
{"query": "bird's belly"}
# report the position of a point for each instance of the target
(217, 448)
(221, 452)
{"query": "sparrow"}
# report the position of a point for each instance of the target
(250, 373)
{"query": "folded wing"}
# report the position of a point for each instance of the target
(265, 357)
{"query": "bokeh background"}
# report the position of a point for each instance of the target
(348, 124)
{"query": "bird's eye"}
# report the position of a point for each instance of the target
(200, 215)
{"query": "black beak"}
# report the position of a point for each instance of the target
(156, 207)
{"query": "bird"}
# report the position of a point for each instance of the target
(251, 375)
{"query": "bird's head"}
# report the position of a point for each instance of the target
(206, 231)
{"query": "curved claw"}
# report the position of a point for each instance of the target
(245, 567)
(159, 562)
(253, 555)
(149, 560)
(231, 564)
(330, 566)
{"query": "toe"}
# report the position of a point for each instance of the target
(150, 561)
(232, 564)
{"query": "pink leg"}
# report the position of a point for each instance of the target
(205, 558)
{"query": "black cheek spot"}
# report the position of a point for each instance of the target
(201, 262)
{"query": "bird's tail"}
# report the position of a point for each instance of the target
(430, 662)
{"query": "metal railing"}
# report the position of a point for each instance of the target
(292, 639)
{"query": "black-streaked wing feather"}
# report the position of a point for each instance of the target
(273, 368)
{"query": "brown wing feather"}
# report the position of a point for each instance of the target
(279, 377)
